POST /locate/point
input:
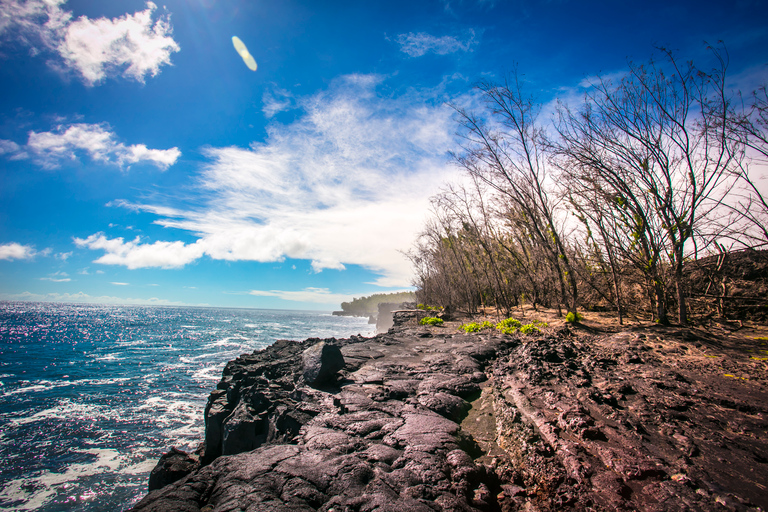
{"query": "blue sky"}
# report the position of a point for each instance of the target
(142, 161)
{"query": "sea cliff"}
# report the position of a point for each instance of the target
(418, 418)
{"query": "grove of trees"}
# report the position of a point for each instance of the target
(367, 306)
(601, 205)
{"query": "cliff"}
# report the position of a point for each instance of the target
(428, 419)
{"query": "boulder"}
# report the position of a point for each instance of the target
(173, 466)
(321, 363)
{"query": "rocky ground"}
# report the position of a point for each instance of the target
(643, 418)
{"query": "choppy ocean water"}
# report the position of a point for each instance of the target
(92, 395)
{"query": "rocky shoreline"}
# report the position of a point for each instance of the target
(430, 419)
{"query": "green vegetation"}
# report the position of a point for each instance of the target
(571, 318)
(512, 325)
(366, 306)
(428, 308)
(509, 326)
(530, 329)
(476, 327)
(431, 320)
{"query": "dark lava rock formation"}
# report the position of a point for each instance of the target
(419, 419)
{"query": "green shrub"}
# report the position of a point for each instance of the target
(571, 318)
(509, 326)
(476, 327)
(431, 320)
(530, 329)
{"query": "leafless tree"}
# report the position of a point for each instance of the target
(505, 149)
(658, 144)
(751, 204)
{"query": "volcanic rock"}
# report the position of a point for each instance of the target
(321, 363)
(648, 419)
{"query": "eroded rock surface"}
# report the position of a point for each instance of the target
(428, 419)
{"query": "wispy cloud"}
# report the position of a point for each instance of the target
(134, 45)
(119, 284)
(9, 147)
(448, 5)
(81, 297)
(16, 251)
(275, 101)
(419, 44)
(51, 149)
(57, 277)
(347, 183)
(313, 295)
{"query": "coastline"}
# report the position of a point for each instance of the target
(425, 418)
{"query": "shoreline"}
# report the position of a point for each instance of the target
(430, 419)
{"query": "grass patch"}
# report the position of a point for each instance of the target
(476, 327)
(431, 320)
(529, 329)
(571, 318)
(509, 326)
(512, 325)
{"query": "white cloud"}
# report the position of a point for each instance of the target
(8, 146)
(276, 101)
(419, 44)
(34, 21)
(133, 45)
(346, 184)
(81, 297)
(314, 295)
(15, 251)
(57, 277)
(119, 284)
(50, 149)
(134, 254)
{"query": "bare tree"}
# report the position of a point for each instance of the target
(752, 130)
(658, 143)
(505, 149)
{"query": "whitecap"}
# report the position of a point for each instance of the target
(37, 491)
(66, 409)
(212, 373)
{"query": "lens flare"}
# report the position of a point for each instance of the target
(244, 53)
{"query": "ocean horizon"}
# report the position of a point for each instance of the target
(93, 394)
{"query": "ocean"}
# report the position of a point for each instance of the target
(92, 395)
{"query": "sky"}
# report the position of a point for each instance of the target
(144, 161)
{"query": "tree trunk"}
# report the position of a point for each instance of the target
(682, 309)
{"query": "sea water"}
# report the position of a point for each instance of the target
(92, 395)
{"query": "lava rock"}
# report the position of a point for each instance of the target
(173, 466)
(569, 422)
(322, 362)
